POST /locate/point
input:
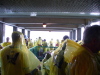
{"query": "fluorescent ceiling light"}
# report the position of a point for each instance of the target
(8, 11)
(82, 13)
(65, 12)
(33, 14)
(94, 13)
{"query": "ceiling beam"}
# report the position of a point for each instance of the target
(30, 26)
(1, 19)
(44, 20)
(50, 29)
(47, 28)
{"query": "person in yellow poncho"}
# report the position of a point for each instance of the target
(84, 59)
(81, 59)
(53, 64)
(51, 44)
(6, 43)
(44, 45)
(30, 43)
(35, 42)
(16, 59)
(39, 41)
(57, 43)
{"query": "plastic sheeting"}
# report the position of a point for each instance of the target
(80, 60)
(50, 63)
(77, 61)
(17, 59)
(5, 44)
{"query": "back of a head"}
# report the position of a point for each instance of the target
(39, 37)
(16, 36)
(7, 39)
(65, 37)
(90, 33)
(44, 40)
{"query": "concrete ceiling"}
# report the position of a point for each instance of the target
(59, 15)
(52, 24)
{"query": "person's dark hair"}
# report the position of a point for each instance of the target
(65, 37)
(44, 39)
(15, 37)
(76, 41)
(90, 33)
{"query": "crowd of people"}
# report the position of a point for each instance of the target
(68, 58)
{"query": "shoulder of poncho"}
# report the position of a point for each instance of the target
(72, 50)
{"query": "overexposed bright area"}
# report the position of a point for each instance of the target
(26, 34)
(48, 35)
(76, 34)
(19, 29)
(8, 32)
(95, 23)
(82, 31)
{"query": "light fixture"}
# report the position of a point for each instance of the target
(44, 25)
(33, 14)
(94, 13)
(65, 12)
(82, 13)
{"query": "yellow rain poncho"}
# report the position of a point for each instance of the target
(5, 44)
(57, 43)
(50, 63)
(51, 44)
(44, 70)
(30, 43)
(80, 60)
(39, 42)
(77, 61)
(17, 59)
(80, 42)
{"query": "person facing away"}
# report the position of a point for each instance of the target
(26, 41)
(51, 42)
(6, 43)
(30, 43)
(39, 41)
(16, 59)
(56, 63)
(45, 43)
(59, 61)
(57, 43)
(84, 59)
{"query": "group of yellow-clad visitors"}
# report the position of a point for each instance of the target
(70, 58)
